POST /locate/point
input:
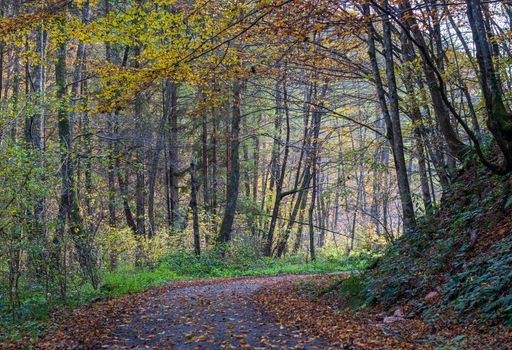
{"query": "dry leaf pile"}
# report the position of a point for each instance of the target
(367, 329)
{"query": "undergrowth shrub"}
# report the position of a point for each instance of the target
(485, 285)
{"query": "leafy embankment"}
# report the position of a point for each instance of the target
(447, 285)
(457, 267)
(298, 305)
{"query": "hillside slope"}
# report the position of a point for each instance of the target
(456, 268)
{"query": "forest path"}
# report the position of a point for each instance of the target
(215, 315)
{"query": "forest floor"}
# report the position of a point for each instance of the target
(265, 312)
(200, 314)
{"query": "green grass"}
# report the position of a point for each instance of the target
(240, 264)
(185, 266)
(35, 307)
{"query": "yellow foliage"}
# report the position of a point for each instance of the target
(125, 246)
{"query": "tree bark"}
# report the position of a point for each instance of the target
(315, 142)
(204, 167)
(69, 208)
(456, 147)
(280, 180)
(409, 58)
(499, 116)
(234, 175)
(122, 178)
(152, 175)
(193, 206)
(140, 166)
(391, 115)
(172, 116)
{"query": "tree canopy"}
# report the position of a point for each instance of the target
(131, 129)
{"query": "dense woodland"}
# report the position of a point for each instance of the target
(134, 129)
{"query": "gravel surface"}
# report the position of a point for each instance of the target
(217, 315)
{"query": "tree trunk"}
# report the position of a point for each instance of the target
(140, 167)
(298, 239)
(315, 142)
(299, 204)
(111, 129)
(305, 175)
(234, 175)
(193, 206)
(204, 168)
(280, 180)
(311, 209)
(276, 145)
(122, 178)
(456, 147)
(171, 101)
(499, 117)
(409, 57)
(152, 175)
(213, 157)
(69, 208)
(391, 116)
(256, 163)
